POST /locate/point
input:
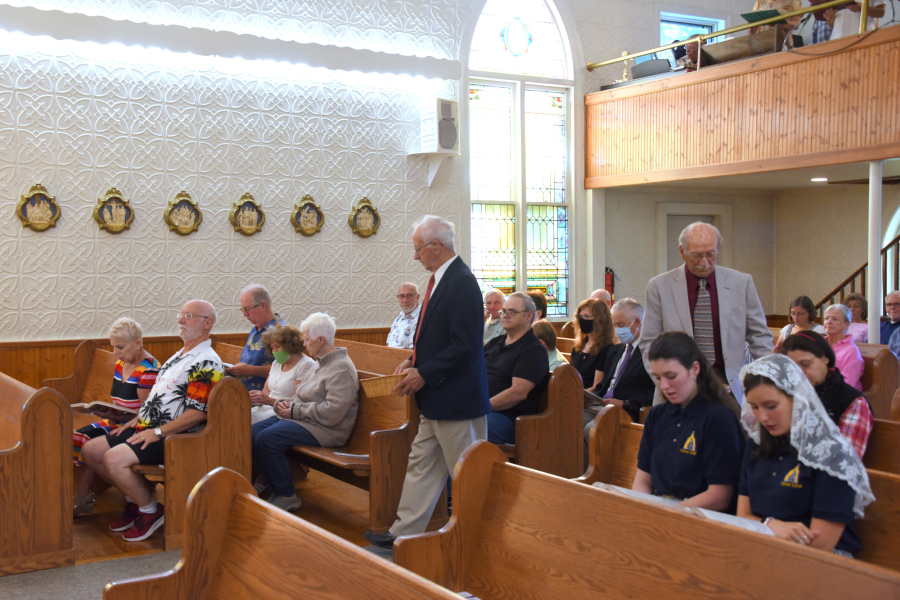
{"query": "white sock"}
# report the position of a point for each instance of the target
(150, 508)
(129, 499)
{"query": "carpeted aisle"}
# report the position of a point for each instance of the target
(83, 582)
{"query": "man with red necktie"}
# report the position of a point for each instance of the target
(446, 373)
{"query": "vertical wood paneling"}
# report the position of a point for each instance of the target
(842, 101)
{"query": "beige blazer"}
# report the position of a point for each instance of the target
(742, 322)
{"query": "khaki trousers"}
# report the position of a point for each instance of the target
(434, 455)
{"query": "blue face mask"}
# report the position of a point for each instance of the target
(624, 334)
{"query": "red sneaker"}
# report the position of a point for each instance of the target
(127, 520)
(144, 525)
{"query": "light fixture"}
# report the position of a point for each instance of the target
(819, 179)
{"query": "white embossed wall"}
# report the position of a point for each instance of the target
(631, 235)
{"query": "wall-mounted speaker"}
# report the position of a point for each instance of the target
(440, 125)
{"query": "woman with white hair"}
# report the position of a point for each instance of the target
(800, 476)
(848, 359)
(133, 377)
(321, 413)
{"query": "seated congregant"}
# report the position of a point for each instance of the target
(848, 358)
(540, 304)
(690, 58)
(177, 403)
(256, 306)
(603, 296)
(692, 444)
(845, 404)
(517, 370)
(859, 313)
(800, 476)
(289, 367)
(321, 413)
(594, 336)
(625, 382)
(493, 302)
(803, 314)
(892, 308)
(546, 335)
(403, 329)
(133, 377)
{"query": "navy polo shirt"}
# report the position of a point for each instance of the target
(783, 488)
(254, 354)
(525, 358)
(887, 329)
(688, 449)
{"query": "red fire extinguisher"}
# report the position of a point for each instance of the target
(610, 282)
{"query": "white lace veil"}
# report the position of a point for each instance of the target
(818, 441)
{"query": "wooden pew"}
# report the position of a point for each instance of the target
(883, 451)
(614, 445)
(35, 478)
(895, 406)
(565, 345)
(519, 533)
(374, 359)
(567, 331)
(241, 548)
(550, 440)
(224, 440)
(881, 378)
(229, 353)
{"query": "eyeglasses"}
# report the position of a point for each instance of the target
(419, 248)
(406, 296)
(710, 256)
(510, 312)
(246, 310)
(891, 304)
(188, 316)
(799, 314)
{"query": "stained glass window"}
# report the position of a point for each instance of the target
(518, 36)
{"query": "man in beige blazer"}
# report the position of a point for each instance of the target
(739, 323)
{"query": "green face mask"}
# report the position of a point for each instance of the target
(281, 356)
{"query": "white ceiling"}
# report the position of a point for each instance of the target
(786, 180)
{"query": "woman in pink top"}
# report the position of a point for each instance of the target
(848, 360)
(859, 311)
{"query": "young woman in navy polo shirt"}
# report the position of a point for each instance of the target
(800, 475)
(691, 447)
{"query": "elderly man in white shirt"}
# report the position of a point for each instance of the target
(403, 329)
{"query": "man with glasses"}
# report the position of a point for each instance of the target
(256, 306)
(892, 308)
(403, 328)
(718, 307)
(177, 403)
(518, 369)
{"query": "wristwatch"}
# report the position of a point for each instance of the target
(158, 432)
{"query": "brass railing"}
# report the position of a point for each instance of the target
(863, 19)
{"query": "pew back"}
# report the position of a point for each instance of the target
(878, 531)
(613, 448)
(565, 345)
(229, 353)
(519, 533)
(883, 451)
(240, 547)
(372, 358)
(880, 379)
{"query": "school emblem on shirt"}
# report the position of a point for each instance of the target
(690, 446)
(792, 479)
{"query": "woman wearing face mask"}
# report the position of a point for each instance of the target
(800, 476)
(692, 444)
(845, 405)
(290, 366)
(594, 336)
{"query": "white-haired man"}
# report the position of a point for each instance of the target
(256, 305)
(446, 373)
(177, 403)
(493, 302)
(403, 328)
(718, 307)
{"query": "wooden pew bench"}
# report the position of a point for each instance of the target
(883, 451)
(241, 548)
(550, 441)
(35, 478)
(519, 533)
(224, 440)
(614, 446)
(880, 379)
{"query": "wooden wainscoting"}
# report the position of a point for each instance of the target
(32, 362)
(832, 103)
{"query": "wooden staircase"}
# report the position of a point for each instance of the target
(857, 281)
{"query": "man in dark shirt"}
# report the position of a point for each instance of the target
(892, 308)
(517, 370)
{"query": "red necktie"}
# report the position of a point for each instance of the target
(422, 317)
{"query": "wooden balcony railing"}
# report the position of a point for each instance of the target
(890, 255)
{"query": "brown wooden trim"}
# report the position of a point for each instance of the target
(778, 163)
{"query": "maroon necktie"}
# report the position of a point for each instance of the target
(422, 317)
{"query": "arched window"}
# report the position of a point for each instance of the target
(520, 89)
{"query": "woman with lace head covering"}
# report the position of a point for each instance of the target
(846, 406)
(800, 476)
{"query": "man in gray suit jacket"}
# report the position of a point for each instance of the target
(718, 307)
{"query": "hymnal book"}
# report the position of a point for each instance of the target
(713, 515)
(96, 406)
(593, 398)
(759, 15)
